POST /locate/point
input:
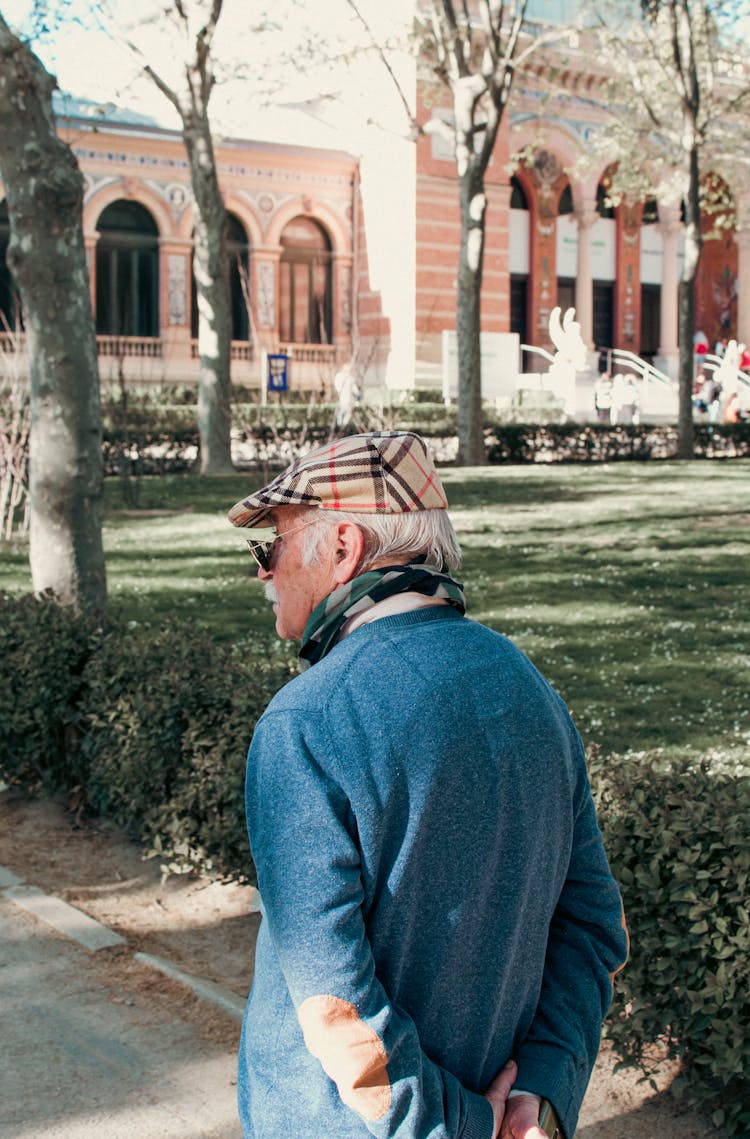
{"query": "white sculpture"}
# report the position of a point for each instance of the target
(729, 366)
(571, 356)
(349, 393)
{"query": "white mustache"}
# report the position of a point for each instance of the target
(270, 592)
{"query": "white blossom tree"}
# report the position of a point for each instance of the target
(676, 86)
(474, 51)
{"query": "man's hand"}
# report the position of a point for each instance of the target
(497, 1094)
(521, 1118)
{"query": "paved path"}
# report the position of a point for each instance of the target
(80, 1062)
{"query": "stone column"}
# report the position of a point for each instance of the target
(742, 237)
(669, 352)
(342, 302)
(266, 260)
(265, 263)
(584, 281)
(174, 308)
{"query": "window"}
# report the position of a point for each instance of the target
(305, 315)
(650, 320)
(517, 195)
(238, 255)
(603, 315)
(565, 205)
(604, 207)
(650, 215)
(11, 318)
(566, 293)
(238, 262)
(519, 304)
(127, 271)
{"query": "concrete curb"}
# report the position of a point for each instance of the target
(66, 919)
(93, 936)
(7, 878)
(209, 991)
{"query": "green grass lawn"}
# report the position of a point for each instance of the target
(626, 584)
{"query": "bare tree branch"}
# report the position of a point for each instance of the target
(413, 125)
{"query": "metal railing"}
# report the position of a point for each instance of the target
(642, 368)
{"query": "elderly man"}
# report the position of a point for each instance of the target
(440, 922)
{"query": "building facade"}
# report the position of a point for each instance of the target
(554, 238)
(307, 225)
(297, 257)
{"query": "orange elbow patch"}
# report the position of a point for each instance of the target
(351, 1053)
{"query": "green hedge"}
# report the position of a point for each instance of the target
(593, 442)
(151, 437)
(147, 727)
(43, 654)
(168, 719)
(678, 839)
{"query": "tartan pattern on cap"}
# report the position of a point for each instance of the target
(382, 472)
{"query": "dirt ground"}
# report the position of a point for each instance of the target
(209, 929)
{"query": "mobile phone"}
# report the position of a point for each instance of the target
(548, 1120)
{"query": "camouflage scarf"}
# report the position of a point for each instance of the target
(359, 594)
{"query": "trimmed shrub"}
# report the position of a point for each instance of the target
(678, 839)
(590, 442)
(149, 728)
(154, 431)
(43, 652)
(169, 716)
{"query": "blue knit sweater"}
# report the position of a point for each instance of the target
(436, 895)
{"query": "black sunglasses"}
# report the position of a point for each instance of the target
(262, 552)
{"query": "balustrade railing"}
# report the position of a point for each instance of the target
(119, 347)
(123, 346)
(238, 350)
(311, 353)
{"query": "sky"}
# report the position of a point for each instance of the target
(92, 64)
(370, 122)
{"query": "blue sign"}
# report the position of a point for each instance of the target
(278, 372)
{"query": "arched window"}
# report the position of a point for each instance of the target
(650, 215)
(238, 255)
(517, 195)
(305, 315)
(565, 205)
(11, 318)
(604, 207)
(127, 271)
(519, 260)
(238, 261)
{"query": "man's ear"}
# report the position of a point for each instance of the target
(347, 553)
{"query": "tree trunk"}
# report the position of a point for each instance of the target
(471, 451)
(212, 287)
(686, 311)
(686, 318)
(44, 189)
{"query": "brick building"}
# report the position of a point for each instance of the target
(311, 228)
(297, 256)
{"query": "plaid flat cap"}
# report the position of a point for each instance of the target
(382, 472)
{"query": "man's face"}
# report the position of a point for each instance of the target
(296, 589)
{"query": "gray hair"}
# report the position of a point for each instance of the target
(397, 538)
